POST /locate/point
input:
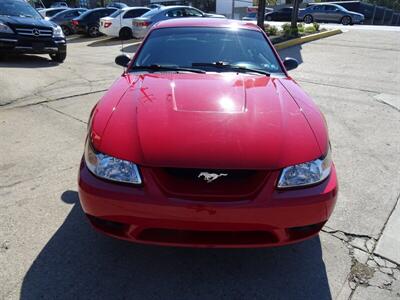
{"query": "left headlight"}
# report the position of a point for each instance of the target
(57, 32)
(308, 173)
(5, 29)
(111, 168)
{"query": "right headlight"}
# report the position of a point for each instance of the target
(308, 173)
(5, 29)
(109, 167)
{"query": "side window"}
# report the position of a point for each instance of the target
(134, 13)
(175, 13)
(192, 13)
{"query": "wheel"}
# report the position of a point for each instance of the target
(93, 31)
(346, 20)
(269, 18)
(58, 57)
(308, 19)
(125, 33)
(66, 30)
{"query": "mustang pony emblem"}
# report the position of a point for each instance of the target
(210, 177)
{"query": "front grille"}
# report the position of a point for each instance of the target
(34, 32)
(198, 184)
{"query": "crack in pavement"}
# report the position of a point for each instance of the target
(63, 113)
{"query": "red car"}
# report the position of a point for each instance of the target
(206, 141)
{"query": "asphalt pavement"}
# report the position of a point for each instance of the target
(48, 250)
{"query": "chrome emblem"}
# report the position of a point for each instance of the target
(210, 177)
(35, 32)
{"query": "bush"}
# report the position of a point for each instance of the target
(316, 26)
(309, 29)
(271, 30)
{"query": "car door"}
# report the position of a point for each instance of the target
(319, 13)
(332, 13)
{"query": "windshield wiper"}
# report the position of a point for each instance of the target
(225, 65)
(167, 68)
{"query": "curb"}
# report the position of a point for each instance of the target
(306, 39)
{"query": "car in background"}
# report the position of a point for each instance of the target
(330, 13)
(141, 25)
(281, 14)
(47, 13)
(205, 140)
(118, 5)
(253, 15)
(153, 6)
(65, 17)
(23, 30)
(119, 23)
(89, 22)
(58, 4)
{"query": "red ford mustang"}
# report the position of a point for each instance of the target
(206, 141)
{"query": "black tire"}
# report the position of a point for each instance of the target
(125, 33)
(67, 31)
(93, 31)
(58, 57)
(308, 19)
(346, 20)
(268, 18)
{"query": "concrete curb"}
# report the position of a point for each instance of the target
(306, 39)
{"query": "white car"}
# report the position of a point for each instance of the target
(120, 22)
(47, 13)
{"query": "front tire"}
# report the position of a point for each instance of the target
(58, 57)
(346, 20)
(125, 33)
(308, 19)
(269, 18)
(93, 31)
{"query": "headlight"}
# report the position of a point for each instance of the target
(5, 29)
(58, 32)
(306, 173)
(111, 168)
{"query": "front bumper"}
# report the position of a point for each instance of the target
(16, 44)
(146, 215)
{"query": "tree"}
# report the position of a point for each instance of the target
(295, 14)
(261, 14)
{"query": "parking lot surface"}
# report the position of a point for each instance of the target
(48, 250)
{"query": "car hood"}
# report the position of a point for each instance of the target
(15, 21)
(221, 120)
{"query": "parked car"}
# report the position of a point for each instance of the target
(89, 22)
(153, 6)
(253, 15)
(59, 4)
(206, 141)
(119, 23)
(142, 24)
(23, 30)
(47, 13)
(330, 13)
(282, 14)
(118, 5)
(64, 19)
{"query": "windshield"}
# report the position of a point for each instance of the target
(186, 47)
(18, 9)
(116, 13)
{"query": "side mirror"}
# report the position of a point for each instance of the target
(122, 60)
(290, 63)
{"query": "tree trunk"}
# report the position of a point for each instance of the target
(295, 14)
(261, 13)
